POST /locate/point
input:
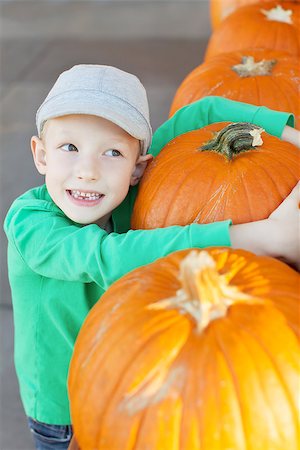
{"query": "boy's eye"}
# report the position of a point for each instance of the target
(113, 152)
(69, 148)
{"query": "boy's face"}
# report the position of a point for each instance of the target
(89, 164)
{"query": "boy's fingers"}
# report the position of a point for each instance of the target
(294, 194)
(296, 191)
(290, 207)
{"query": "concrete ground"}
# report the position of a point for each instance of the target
(160, 41)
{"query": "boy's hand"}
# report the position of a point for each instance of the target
(286, 219)
(278, 236)
(291, 135)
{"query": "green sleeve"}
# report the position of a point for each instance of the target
(218, 109)
(54, 247)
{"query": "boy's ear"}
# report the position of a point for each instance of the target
(39, 154)
(140, 167)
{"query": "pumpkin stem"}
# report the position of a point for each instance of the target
(278, 14)
(250, 68)
(234, 139)
(206, 294)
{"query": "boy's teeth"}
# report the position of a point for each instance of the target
(85, 195)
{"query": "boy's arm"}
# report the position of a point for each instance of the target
(54, 247)
(218, 109)
(278, 236)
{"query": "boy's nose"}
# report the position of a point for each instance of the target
(87, 171)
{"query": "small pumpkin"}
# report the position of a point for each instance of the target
(220, 9)
(260, 77)
(272, 25)
(198, 350)
(222, 171)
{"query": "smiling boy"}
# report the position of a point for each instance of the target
(69, 239)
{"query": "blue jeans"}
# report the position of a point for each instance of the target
(50, 437)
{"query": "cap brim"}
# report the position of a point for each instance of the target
(99, 104)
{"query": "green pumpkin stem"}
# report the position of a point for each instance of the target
(234, 139)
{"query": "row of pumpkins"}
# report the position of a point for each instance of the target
(203, 354)
(252, 56)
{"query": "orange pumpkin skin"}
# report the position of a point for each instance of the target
(248, 27)
(144, 375)
(223, 75)
(220, 9)
(184, 185)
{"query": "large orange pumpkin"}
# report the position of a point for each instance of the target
(273, 25)
(260, 77)
(218, 172)
(197, 351)
(220, 9)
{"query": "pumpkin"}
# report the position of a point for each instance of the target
(222, 171)
(260, 77)
(273, 25)
(198, 350)
(219, 9)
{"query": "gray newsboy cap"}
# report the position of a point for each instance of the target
(103, 91)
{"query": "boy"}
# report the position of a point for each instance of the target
(69, 239)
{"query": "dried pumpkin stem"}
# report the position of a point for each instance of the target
(234, 139)
(278, 14)
(206, 294)
(250, 68)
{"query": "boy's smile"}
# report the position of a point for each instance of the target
(80, 195)
(84, 198)
(89, 164)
